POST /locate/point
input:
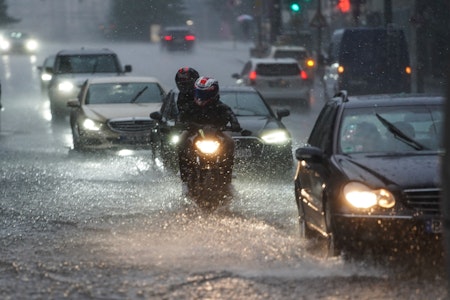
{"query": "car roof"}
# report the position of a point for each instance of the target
(237, 88)
(177, 28)
(122, 79)
(389, 99)
(273, 60)
(289, 47)
(85, 51)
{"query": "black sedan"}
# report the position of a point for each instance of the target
(177, 38)
(370, 172)
(269, 147)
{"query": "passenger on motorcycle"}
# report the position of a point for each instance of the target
(208, 110)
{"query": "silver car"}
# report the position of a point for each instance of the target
(280, 81)
(113, 112)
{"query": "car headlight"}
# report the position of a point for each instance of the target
(91, 125)
(66, 87)
(207, 146)
(46, 77)
(31, 45)
(5, 45)
(275, 137)
(361, 196)
(174, 139)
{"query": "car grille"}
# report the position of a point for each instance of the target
(131, 125)
(426, 201)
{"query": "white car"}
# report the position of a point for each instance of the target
(280, 81)
(113, 112)
(299, 53)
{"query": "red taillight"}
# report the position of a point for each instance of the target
(303, 75)
(168, 38)
(189, 38)
(252, 75)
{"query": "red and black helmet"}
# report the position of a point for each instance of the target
(185, 79)
(206, 90)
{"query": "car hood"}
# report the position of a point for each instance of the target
(421, 170)
(257, 124)
(101, 112)
(79, 78)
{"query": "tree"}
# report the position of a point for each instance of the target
(5, 19)
(133, 18)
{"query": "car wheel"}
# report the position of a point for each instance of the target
(304, 230)
(77, 144)
(333, 242)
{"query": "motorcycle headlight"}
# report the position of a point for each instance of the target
(65, 86)
(207, 146)
(91, 125)
(361, 196)
(31, 45)
(275, 137)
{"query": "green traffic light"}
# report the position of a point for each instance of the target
(295, 7)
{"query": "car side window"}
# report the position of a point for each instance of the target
(322, 133)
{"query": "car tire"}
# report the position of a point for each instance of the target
(77, 144)
(333, 242)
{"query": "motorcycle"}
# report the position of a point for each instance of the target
(209, 165)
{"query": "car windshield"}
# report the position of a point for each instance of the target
(390, 129)
(86, 64)
(115, 93)
(245, 104)
(277, 69)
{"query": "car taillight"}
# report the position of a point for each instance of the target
(303, 75)
(252, 75)
(167, 37)
(408, 70)
(189, 38)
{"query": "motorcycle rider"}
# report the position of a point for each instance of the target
(209, 110)
(185, 79)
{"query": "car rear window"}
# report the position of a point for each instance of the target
(278, 69)
(298, 55)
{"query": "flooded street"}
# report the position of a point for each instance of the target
(115, 225)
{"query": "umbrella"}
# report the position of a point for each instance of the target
(243, 18)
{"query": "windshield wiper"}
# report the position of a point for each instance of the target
(138, 94)
(400, 135)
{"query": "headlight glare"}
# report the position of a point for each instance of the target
(207, 146)
(361, 196)
(174, 139)
(65, 86)
(89, 124)
(31, 45)
(275, 137)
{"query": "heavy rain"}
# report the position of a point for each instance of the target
(115, 223)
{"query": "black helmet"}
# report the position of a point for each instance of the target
(206, 90)
(185, 79)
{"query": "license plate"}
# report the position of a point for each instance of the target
(243, 153)
(434, 226)
(135, 139)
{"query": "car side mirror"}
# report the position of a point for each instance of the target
(128, 68)
(73, 103)
(48, 70)
(309, 154)
(281, 113)
(235, 76)
(156, 115)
